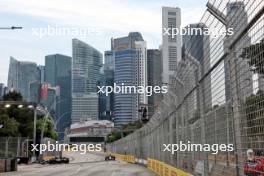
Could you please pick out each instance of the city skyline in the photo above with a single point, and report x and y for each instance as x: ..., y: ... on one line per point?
x: 31, y: 48
x: 150, y: 84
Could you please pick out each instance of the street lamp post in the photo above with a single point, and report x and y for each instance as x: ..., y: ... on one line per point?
x: 8, y: 104
x: 34, y: 131
x: 11, y: 28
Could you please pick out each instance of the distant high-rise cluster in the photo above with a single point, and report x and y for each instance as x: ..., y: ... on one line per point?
x: 68, y: 86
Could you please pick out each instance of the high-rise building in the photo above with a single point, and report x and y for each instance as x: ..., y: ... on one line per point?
x: 2, y: 89
x: 197, y: 46
x: 21, y: 74
x: 86, y: 65
x: 109, y: 60
x: 237, y: 19
x: 35, y: 87
x: 5, y: 90
x: 106, y: 104
x: 58, y: 74
x: 41, y: 69
x: 141, y: 71
x: 171, y: 44
x: 131, y: 70
x: 154, y: 64
x: 34, y: 90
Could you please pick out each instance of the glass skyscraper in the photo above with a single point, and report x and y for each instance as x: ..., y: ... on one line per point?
x: 196, y: 46
x: 86, y: 65
x: 2, y: 87
x: 41, y: 69
x: 154, y: 78
x: 21, y: 75
x: 130, y: 69
x: 58, y: 74
x: 106, y: 103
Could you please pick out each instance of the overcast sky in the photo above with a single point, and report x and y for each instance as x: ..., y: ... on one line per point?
x: 103, y: 19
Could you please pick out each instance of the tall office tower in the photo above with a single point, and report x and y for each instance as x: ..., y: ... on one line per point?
x: 141, y: 71
x: 86, y: 65
x: 58, y: 74
x: 130, y: 70
x: 2, y: 89
x: 109, y: 60
x: 35, y: 87
x: 237, y: 19
x: 41, y: 69
x: 21, y: 74
x: 102, y: 98
x: 198, y: 46
x: 171, y: 45
x: 34, y: 92
x: 106, y: 106
x: 154, y: 63
x: 5, y: 90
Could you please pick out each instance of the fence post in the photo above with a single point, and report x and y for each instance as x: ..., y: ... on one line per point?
x: 236, y: 110
x: 18, y: 146
x: 6, y: 147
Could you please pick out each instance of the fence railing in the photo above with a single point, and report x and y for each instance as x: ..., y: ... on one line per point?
x: 14, y: 147
x: 215, y: 97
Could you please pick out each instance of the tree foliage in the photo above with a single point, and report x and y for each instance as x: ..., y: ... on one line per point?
x: 20, y: 121
x: 123, y: 132
x: 9, y: 126
x: 114, y: 136
x: 49, y: 128
x: 132, y: 126
x: 13, y: 96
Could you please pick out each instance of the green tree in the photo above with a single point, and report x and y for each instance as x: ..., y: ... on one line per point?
x: 49, y: 128
x: 13, y: 96
x: 9, y: 126
x: 132, y: 126
x: 20, y: 120
x: 114, y: 136
x: 125, y: 129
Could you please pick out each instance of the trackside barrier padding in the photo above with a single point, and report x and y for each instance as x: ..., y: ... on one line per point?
x: 127, y: 158
x: 163, y: 169
x: 160, y: 168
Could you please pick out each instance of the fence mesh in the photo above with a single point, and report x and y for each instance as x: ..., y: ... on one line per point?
x: 215, y: 97
x: 14, y: 147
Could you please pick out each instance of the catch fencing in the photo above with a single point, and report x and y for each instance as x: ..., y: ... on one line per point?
x: 216, y: 96
x: 11, y: 147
